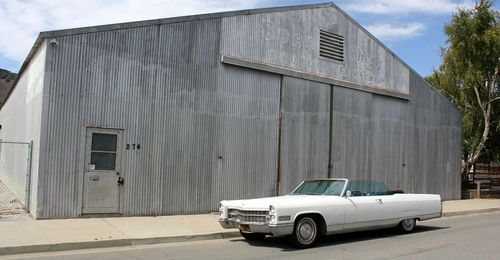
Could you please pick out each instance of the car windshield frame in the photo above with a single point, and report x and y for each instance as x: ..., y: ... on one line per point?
x: 322, y: 187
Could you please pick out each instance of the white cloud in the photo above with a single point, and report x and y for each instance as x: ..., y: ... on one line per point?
x: 22, y: 20
x: 393, y: 32
x: 406, y: 6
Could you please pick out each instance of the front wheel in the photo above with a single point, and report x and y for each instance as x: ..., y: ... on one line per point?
x: 252, y: 236
x: 407, y: 225
x: 305, y: 233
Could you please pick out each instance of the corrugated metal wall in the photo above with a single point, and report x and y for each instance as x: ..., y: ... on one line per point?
x: 305, y: 132
x: 101, y: 79
x: 290, y: 39
x: 204, y: 128
x: 351, y: 129
x: 388, y: 132
x: 220, y: 123
x: 210, y: 131
x: 434, y: 142
x: 373, y: 136
x: 411, y: 145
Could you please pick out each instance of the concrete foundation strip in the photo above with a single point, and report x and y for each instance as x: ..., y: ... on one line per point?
x: 112, y: 243
x: 156, y: 240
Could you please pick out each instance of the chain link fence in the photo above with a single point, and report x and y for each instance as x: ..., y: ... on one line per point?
x: 15, y: 177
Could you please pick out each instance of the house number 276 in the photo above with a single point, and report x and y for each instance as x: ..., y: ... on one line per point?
x: 133, y: 146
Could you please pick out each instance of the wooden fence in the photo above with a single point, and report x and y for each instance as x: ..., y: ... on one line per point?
x: 486, y: 173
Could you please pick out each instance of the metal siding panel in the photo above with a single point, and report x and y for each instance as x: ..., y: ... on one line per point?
x: 221, y: 137
x: 166, y: 87
x: 304, y: 132
x: 248, y: 135
x: 388, y: 134
x: 435, y: 144
x: 373, y: 136
x: 101, y: 79
x: 351, y: 139
x: 291, y: 39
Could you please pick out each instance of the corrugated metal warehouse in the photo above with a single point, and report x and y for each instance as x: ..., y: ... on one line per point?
x: 170, y: 116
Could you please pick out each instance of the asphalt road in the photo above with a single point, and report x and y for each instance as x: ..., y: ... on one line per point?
x: 465, y: 237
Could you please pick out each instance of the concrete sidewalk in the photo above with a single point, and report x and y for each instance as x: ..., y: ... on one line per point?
x: 68, y: 234
x: 465, y: 207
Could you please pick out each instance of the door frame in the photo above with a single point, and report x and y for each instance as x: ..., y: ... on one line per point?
x: 86, y: 130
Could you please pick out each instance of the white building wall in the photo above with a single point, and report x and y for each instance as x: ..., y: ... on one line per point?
x: 20, y: 118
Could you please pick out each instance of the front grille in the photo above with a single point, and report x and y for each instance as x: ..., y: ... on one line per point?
x: 248, y: 216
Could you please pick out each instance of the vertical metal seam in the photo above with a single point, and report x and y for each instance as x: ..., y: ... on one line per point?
x: 161, y: 178
x: 370, y: 141
x: 280, y: 114
x: 46, y: 106
x: 28, y: 177
x: 330, y: 135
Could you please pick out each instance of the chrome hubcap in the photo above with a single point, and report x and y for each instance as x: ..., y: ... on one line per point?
x: 408, y: 224
x: 306, y: 231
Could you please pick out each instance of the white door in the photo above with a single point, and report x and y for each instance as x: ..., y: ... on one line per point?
x: 102, y: 179
x: 364, y: 211
x: 365, y: 208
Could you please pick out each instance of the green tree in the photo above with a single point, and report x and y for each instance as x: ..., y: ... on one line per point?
x: 469, y: 76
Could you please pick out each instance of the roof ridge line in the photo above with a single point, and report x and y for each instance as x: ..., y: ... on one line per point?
x: 178, y: 19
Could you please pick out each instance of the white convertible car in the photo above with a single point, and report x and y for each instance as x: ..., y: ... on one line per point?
x: 328, y: 206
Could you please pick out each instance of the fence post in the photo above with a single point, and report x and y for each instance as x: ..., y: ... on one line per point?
x: 489, y: 170
x: 28, y: 177
x: 473, y: 172
x: 478, y: 189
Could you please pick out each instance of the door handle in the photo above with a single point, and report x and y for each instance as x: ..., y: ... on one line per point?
x: 378, y: 201
x: 121, y: 181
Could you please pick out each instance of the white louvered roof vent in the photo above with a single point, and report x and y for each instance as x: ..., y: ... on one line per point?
x: 331, y: 45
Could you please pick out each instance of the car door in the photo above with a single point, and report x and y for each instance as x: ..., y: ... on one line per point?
x: 393, y: 206
x: 364, y: 209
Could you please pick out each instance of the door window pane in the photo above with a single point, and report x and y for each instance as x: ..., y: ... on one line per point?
x: 103, y: 142
x: 103, y: 161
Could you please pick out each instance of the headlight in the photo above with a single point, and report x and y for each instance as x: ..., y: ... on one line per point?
x: 272, y: 215
x: 222, y: 215
x: 272, y: 219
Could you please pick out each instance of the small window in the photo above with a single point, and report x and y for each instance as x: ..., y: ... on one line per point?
x: 103, y: 151
x: 104, y: 142
x: 331, y: 45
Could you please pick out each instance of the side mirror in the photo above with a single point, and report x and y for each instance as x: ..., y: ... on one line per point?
x: 348, y: 193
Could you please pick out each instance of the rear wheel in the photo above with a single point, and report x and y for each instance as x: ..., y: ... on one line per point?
x: 305, y: 233
x: 407, y: 225
x: 252, y: 236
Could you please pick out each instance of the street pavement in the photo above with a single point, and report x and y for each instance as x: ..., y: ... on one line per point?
x: 473, y: 236
x: 32, y: 236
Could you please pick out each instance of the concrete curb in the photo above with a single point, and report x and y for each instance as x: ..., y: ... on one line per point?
x: 468, y: 212
x: 157, y: 240
x: 112, y: 243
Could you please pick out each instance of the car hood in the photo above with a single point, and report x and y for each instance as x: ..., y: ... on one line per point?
x: 281, y: 201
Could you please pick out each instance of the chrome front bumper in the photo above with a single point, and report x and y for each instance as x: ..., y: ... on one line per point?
x: 275, y: 230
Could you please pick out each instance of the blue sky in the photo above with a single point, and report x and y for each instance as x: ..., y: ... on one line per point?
x: 413, y: 29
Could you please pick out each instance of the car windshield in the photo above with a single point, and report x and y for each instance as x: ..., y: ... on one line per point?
x: 320, y: 187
